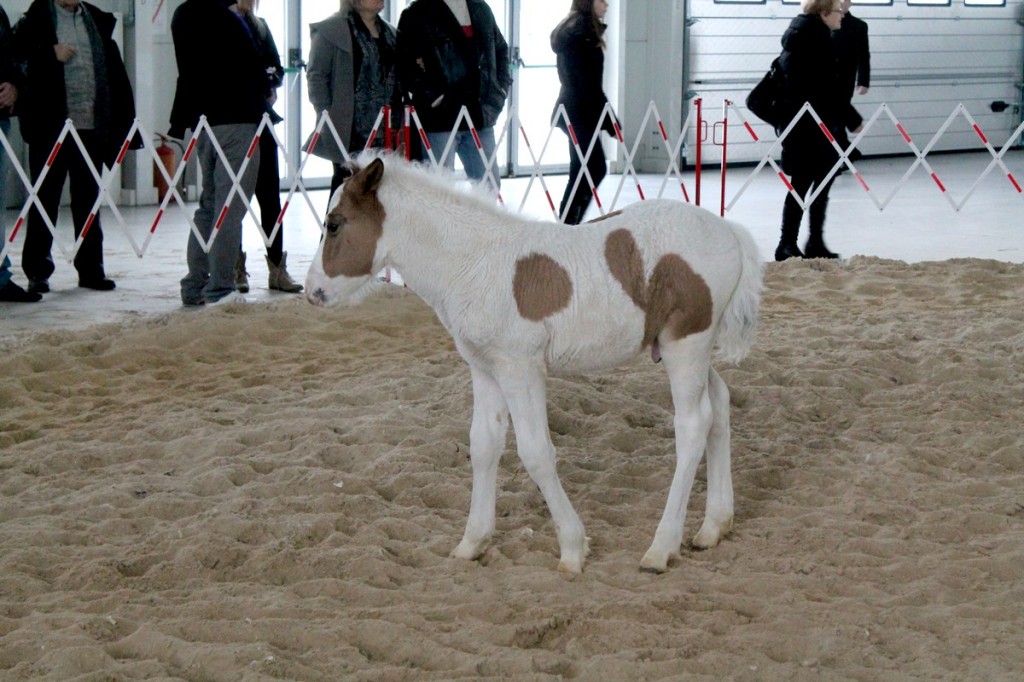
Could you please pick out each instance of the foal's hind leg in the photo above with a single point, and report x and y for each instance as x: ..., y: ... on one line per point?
x: 687, y: 362
x: 718, y: 514
x: 486, y: 443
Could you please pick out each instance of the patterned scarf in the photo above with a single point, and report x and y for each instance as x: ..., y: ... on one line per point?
x: 375, y: 79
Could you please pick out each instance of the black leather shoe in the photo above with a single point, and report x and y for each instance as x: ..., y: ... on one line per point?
x: 39, y: 286
x: 12, y: 293
x: 97, y: 284
x: 818, y: 251
x: 787, y: 251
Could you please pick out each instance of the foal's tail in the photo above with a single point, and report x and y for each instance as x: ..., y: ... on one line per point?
x: 739, y: 320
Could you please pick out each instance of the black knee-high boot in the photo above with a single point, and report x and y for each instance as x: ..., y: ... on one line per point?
x: 574, y: 206
x: 815, y: 247
x: 792, y: 214
x: 575, y: 214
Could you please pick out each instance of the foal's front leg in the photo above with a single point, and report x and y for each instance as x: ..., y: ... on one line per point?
x: 486, y: 443
x: 526, y: 395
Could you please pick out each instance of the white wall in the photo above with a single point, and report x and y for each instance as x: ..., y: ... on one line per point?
x: 650, y: 68
x: 924, y: 61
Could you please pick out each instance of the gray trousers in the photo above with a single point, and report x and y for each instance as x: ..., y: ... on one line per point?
x: 211, y: 276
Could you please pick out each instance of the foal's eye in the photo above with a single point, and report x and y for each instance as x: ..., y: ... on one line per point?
x: 333, y: 227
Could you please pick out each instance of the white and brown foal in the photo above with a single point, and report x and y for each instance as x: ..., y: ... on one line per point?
x: 523, y: 298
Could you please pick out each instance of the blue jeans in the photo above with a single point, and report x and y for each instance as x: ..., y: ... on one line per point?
x: 5, y: 164
x: 465, y: 147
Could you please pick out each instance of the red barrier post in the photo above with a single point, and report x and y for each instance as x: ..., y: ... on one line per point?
x: 700, y: 138
x: 725, y: 151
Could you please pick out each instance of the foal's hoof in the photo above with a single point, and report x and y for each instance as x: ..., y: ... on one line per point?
x: 572, y: 562
x: 468, y: 551
x: 570, y: 567
x: 710, y: 534
x: 654, y: 562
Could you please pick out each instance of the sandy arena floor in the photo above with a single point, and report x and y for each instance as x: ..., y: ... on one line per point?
x: 270, y: 491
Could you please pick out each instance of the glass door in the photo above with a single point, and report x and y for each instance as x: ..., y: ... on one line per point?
x: 535, y: 85
x: 318, y: 171
x: 289, y: 22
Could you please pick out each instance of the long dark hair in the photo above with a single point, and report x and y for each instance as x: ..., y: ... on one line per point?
x: 585, y: 9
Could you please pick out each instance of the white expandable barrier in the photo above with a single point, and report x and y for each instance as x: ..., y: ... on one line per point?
x: 920, y: 156
x: 627, y: 153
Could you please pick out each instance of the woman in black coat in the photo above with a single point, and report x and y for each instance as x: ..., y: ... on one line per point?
x: 579, y: 45
x: 810, y: 63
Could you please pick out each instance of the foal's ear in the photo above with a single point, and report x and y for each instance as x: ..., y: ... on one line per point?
x: 368, y: 179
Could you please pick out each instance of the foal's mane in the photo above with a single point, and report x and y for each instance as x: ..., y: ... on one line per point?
x: 438, y: 183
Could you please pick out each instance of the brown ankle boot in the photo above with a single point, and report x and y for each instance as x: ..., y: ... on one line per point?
x: 241, y: 276
x: 280, y: 280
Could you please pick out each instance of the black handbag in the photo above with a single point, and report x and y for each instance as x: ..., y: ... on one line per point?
x: 766, y: 99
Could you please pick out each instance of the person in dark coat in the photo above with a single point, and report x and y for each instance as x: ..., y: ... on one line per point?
x: 578, y: 44
x: 12, y: 83
x: 73, y: 70
x: 810, y: 64
x: 220, y: 76
x: 451, y: 54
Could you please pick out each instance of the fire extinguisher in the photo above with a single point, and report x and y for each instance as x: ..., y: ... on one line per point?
x: 166, y: 155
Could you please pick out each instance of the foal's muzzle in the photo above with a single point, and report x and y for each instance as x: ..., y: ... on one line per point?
x: 316, y: 296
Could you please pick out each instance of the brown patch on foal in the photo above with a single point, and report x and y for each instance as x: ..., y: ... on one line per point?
x: 675, y: 298
x: 678, y: 300
x: 627, y: 265
x: 354, y: 226
x: 540, y: 286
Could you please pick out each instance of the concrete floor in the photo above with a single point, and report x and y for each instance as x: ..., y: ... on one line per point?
x: 918, y: 223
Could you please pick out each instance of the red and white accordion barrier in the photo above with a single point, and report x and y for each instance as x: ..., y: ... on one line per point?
x: 672, y: 185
